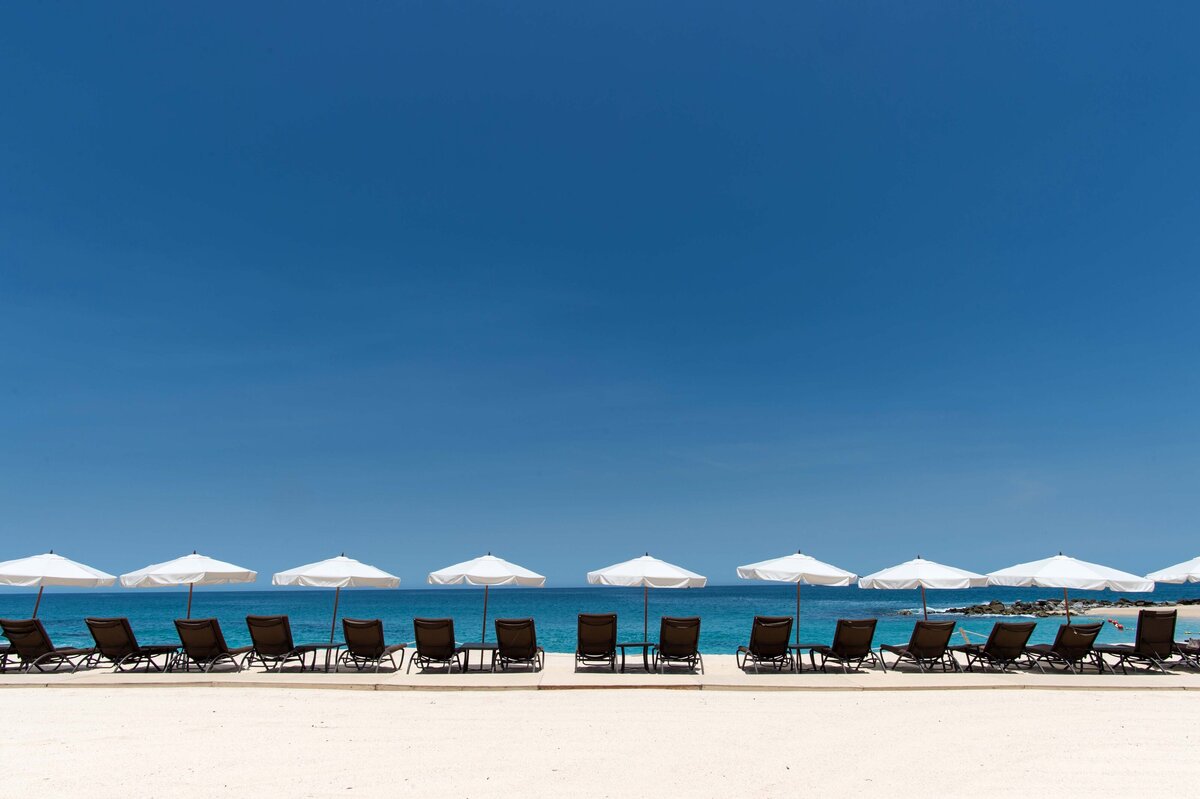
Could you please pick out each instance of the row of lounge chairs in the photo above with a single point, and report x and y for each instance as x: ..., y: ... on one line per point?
x: 202, y: 647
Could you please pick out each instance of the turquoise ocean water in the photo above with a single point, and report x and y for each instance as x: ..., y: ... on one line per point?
x: 727, y: 611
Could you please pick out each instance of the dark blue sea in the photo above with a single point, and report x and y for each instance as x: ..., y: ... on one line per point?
x: 727, y: 611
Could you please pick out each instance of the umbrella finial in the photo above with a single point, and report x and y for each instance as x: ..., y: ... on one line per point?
x: 193, y: 552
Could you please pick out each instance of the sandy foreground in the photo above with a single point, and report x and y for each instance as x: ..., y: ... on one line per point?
x: 1185, y: 611
x: 283, y: 742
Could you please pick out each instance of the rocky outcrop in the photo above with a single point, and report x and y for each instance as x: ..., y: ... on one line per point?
x: 1055, y: 607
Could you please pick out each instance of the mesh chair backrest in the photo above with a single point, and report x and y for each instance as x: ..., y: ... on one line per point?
x: 852, y: 638
x: 1074, y: 641
x: 28, y: 637
x: 1155, y: 633
x: 435, y: 638
x: 1008, y: 639
x: 364, y: 637
x: 679, y: 637
x: 201, y: 638
x: 516, y: 639
x: 770, y: 635
x: 271, y: 635
x: 113, y: 637
x: 930, y: 638
x: 597, y: 634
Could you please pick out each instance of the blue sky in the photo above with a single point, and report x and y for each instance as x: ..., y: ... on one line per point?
x: 418, y: 281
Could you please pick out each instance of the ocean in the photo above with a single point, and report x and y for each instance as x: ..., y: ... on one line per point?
x: 727, y: 611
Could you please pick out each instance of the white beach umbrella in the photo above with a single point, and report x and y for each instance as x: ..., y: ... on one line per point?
x: 649, y: 573
x: 797, y: 568
x: 336, y: 573
x: 1066, y: 572
x: 921, y: 573
x: 1186, y: 572
x: 487, y: 571
x: 50, y: 569
x: 190, y: 570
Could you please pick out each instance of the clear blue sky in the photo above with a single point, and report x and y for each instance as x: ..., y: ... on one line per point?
x: 572, y: 281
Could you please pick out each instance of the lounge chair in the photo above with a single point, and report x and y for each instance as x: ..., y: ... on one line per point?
x: 272, y: 644
x: 32, y: 645
x: 5, y: 651
x: 436, y: 645
x: 204, y: 646
x: 116, y: 643
x: 596, y: 644
x: 678, y: 643
x: 928, y: 647
x: 1073, y: 648
x: 516, y: 643
x: 1004, y: 649
x: 852, y: 639
x: 1153, y: 645
x: 769, y: 637
x: 365, y: 645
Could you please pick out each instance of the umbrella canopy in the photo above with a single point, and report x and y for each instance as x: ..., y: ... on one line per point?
x: 336, y: 573
x: 649, y: 573
x: 190, y: 570
x: 796, y: 568
x: 1062, y: 571
x: 921, y: 573
x: 487, y: 571
x: 1186, y: 572
x: 50, y: 569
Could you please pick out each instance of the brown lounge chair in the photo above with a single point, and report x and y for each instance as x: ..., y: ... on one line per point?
x: 1004, y: 649
x: 596, y: 642
x: 928, y: 647
x: 516, y: 643
x: 271, y: 644
x: 365, y: 645
x: 204, y: 646
x: 116, y: 643
x: 1153, y: 645
x: 1073, y: 648
x: 852, y: 639
x: 769, y: 637
x: 678, y: 642
x: 32, y: 645
x: 436, y: 645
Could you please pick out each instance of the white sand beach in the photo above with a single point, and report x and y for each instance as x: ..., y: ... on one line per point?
x: 1184, y: 611
x: 202, y: 742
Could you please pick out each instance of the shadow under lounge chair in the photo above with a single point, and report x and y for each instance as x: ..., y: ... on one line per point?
x: 1073, y: 647
x: 516, y: 643
x: 204, y: 646
x: 678, y: 643
x: 435, y: 645
x: 1004, y: 649
x: 116, y: 643
x: 851, y: 646
x: 271, y: 643
x: 1153, y: 645
x: 596, y: 641
x: 365, y: 645
x: 30, y: 642
x: 928, y: 647
x: 769, y: 637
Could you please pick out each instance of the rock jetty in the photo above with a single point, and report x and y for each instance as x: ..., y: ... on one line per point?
x: 1055, y: 607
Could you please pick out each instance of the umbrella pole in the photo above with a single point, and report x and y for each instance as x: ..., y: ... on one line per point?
x: 37, y: 602
x: 645, y: 611
x: 797, y: 613
x: 1067, y: 605
x: 485, y: 599
x: 924, y: 607
x: 189, y: 609
x: 333, y: 626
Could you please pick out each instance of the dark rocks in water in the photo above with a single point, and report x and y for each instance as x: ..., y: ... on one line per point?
x: 1054, y: 607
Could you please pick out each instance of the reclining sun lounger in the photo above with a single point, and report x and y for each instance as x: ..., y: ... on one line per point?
x: 596, y: 641
x: 851, y: 645
x: 1004, y: 649
x: 204, y: 646
x: 928, y: 647
x: 272, y: 644
x: 436, y: 645
x: 678, y: 643
x: 769, y: 641
x: 116, y: 643
x: 516, y: 643
x: 1072, y: 649
x: 1153, y: 645
x: 365, y: 645
x: 30, y: 643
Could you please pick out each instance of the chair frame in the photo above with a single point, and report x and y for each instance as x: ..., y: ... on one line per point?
x: 75, y: 657
x: 1049, y: 655
x: 276, y: 662
x: 907, y: 653
x: 660, y: 660
x: 424, y: 662
x: 138, y: 656
x: 360, y: 661
x: 591, y: 659
x: 981, y: 654
x: 747, y: 654
x: 830, y: 653
x: 1127, y: 653
x: 536, y: 663
x: 183, y: 660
